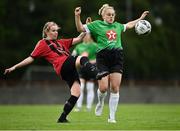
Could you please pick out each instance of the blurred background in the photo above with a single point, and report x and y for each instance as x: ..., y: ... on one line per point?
x: 152, y: 65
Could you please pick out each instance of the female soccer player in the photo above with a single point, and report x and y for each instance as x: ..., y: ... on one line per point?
x: 109, y: 56
x: 56, y: 52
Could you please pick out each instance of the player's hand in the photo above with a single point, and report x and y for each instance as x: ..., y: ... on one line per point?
x: 77, y: 11
x: 144, y: 14
x: 88, y: 20
x: 9, y: 70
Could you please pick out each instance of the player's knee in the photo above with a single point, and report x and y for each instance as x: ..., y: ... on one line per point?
x: 103, y: 88
x: 78, y: 61
x: 76, y: 90
x: 115, y: 89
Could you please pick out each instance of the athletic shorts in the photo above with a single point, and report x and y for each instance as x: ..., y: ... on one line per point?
x: 110, y: 60
x: 86, y: 74
x: 69, y: 72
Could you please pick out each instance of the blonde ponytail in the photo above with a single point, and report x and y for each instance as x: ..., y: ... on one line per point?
x: 103, y: 8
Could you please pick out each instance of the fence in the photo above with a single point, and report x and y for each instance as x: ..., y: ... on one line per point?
x: 40, y: 85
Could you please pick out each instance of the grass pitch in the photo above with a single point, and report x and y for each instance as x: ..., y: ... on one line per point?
x: 129, y: 117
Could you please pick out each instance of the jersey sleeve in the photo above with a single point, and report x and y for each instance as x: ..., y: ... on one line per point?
x: 122, y: 27
x: 38, y: 50
x: 92, y: 27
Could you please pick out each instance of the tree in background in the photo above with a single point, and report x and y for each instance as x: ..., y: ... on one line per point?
x: 155, y: 56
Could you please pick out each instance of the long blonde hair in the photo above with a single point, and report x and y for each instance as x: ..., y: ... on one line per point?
x: 104, y: 8
x: 47, y: 27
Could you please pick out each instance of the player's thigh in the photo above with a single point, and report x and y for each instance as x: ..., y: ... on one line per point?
x: 115, y: 81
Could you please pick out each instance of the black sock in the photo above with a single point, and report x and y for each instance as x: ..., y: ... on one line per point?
x: 68, y: 107
x: 84, y: 61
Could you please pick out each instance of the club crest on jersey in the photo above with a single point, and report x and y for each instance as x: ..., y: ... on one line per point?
x: 111, y: 35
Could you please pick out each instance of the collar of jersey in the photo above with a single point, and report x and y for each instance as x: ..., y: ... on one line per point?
x: 107, y: 23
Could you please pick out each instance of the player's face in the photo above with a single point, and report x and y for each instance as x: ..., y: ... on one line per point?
x: 52, y: 34
x: 109, y: 16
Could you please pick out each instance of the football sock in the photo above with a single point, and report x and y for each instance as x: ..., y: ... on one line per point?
x: 113, y: 104
x: 84, y: 61
x: 80, y: 99
x: 90, y: 94
x: 101, y: 96
x: 68, y: 107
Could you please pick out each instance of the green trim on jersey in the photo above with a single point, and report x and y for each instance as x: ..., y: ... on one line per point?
x: 106, y: 35
x: 90, y: 48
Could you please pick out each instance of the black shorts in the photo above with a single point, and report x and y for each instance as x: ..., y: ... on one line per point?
x: 110, y: 60
x: 87, y: 74
x: 69, y: 72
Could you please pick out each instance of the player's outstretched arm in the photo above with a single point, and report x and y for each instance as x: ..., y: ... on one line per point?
x: 25, y: 62
x: 78, y: 22
x: 79, y: 38
x: 131, y: 24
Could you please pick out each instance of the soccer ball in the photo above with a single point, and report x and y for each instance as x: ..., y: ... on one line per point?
x: 142, y: 27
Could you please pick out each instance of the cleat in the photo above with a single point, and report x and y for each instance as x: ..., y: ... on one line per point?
x: 111, y: 121
x: 101, y: 74
x: 62, y: 121
x: 99, y: 108
x: 93, y: 68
